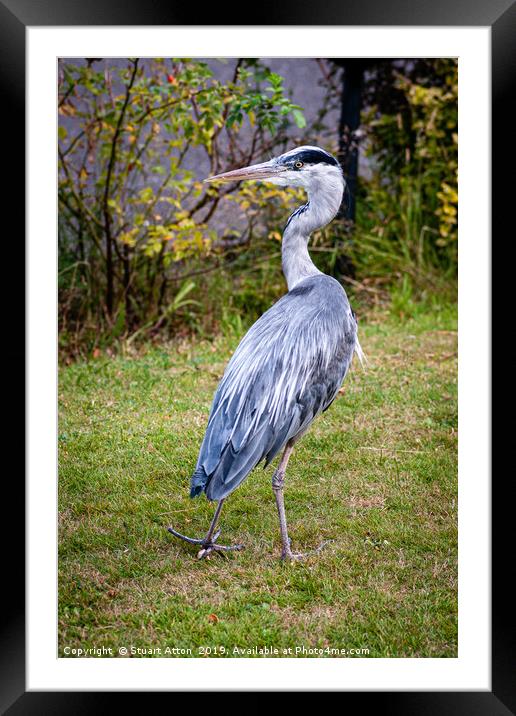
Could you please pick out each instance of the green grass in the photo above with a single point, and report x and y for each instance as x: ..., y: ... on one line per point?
x: 377, y: 474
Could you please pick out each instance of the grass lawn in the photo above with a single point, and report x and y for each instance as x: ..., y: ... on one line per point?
x: 377, y: 474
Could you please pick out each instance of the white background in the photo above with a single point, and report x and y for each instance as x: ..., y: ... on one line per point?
x: 471, y: 670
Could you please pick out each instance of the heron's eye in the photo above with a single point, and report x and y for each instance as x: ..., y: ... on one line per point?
x: 298, y: 165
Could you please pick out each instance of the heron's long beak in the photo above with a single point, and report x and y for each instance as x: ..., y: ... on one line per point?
x: 267, y: 170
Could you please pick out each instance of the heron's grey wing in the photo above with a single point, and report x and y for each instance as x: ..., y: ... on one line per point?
x: 285, y: 371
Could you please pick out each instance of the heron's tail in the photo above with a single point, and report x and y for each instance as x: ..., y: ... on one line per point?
x: 198, y: 482
x: 360, y: 353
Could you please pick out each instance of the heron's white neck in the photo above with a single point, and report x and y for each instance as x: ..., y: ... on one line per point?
x: 325, y: 197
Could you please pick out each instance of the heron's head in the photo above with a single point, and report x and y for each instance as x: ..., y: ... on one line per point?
x: 308, y: 167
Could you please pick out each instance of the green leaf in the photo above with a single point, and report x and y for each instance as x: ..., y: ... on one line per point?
x: 299, y: 118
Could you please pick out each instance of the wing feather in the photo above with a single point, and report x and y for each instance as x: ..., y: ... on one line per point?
x: 286, y: 370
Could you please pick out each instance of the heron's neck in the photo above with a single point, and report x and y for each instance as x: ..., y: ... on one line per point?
x: 324, y: 203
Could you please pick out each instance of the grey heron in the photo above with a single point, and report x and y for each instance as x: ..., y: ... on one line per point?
x: 289, y: 366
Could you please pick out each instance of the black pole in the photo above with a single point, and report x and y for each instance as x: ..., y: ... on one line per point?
x: 351, y: 103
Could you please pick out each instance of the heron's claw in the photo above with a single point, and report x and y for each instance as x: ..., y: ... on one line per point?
x: 207, y: 545
x: 210, y: 547
x: 287, y: 553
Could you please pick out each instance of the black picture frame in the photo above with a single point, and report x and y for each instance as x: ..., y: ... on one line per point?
x: 15, y: 16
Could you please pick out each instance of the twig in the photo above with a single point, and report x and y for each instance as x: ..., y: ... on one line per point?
x: 386, y: 449
x: 354, y: 282
x: 448, y: 356
x: 172, y: 102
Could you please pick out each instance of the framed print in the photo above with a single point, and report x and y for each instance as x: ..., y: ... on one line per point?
x: 159, y: 275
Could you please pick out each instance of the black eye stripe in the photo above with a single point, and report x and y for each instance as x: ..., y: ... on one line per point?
x: 312, y: 156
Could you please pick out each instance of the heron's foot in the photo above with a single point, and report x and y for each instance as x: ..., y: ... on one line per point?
x: 288, y: 555
x: 208, y: 545
x: 191, y: 540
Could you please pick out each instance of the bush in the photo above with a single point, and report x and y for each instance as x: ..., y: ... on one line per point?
x: 136, y: 222
x: 147, y: 251
x: 407, y: 213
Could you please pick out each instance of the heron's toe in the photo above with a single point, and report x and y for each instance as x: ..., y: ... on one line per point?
x: 210, y: 547
x: 204, y: 552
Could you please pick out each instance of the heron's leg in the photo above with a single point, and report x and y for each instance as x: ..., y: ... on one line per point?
x: 208, y: 544
x: 209, y: 536
x: 278, y: 480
